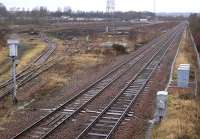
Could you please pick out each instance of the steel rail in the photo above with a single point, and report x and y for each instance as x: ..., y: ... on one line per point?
x: 30, y: 67
x: 84, y: 104
x: 65, y: 103
x: 74, y: 97
x: 29, y: 73
x: 121, y: 93
x: 28, y: 77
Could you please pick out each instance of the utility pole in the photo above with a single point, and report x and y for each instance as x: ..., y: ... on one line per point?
x: 110, y: 8
x: 14, y: 96
x: 13, y: 46
x: 154, y: 10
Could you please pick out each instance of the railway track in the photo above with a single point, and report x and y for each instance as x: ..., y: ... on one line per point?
x: 24, y: 78
x: 39, y: 65
x: 45, y: 126
x: 104, y: 124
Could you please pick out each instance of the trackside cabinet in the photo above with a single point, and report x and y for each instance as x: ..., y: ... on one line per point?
x: 183, y: 75
x: 161, y: 104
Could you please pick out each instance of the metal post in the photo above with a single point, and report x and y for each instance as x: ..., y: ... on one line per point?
x: 154, y: 10
x: 13, y: 45
x: 14, y: 95
x: 110, y: 8
x: 196, y: 84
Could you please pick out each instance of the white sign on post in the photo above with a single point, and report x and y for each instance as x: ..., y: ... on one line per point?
x: 13, y: 45
x: 13, y: 50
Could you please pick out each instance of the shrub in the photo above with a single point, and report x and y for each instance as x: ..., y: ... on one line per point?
x: 187, y: 96
x: 120, y: 49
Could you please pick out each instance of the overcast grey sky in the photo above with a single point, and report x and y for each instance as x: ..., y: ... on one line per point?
x: 100, y: 5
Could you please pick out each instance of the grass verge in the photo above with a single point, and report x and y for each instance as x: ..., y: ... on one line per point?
x: 183, y: 115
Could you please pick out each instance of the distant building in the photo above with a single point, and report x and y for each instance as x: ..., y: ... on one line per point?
x: 144, y: 20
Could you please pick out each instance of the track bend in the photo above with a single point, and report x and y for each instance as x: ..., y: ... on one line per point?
x: 45, y: 126
x: 39, y: 65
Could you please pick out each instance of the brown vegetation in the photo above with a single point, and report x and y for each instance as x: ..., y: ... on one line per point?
x: 186, y: 55
x: 183, y: 115
x: 3, y: 37
x: 30, y: 47
x: 194, y: 20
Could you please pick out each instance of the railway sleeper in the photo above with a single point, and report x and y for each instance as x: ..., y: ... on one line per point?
x: 121, y: 105
x: 124, y: 97
x: 87, y: 98
x: 89, y: 95
x: 99, y: 130
x: 95, y: 90
x: 115, y: 111
x: 90, y: 92
x: 130, y: 90
x: 95, y: 135
x: 54, y: 120
x: 135, y: 88
x: 129, y: 94
x: 38, y: 133
x: 70, y: 111
x: 124, y: 101
x: 107, y: 121
x: 119, y: 108
x: 110, y: 118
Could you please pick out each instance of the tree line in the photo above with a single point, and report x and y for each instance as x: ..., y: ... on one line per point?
x: 194, y: 21
x: 42, y: 14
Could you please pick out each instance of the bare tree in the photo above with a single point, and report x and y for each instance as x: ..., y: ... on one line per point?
x: 3, y: 10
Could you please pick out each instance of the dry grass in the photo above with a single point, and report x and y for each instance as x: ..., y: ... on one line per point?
x: 30, y: 54
x: 4, y: 63
x: 67, y: 71
x: 32, y: 47
x: 6, y: 112
x: 86, y: 60
x: 186, y: 55
x: 179, y: 122
x: 29, y: 49
x: 183, y: 115
x: 3, y: 54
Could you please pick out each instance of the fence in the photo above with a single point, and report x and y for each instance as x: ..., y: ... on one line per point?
x: 197, y: 73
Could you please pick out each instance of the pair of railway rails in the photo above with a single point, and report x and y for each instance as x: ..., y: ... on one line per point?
x: 104, y: 124
x: 38, y: 66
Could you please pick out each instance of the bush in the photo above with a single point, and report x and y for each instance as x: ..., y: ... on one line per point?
x: 187, y: 96
x: 184, y: 137
x: 3, y: 33
x: 120, y: 49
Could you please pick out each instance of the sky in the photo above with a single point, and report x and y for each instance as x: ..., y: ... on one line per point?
x: 100, y: 5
